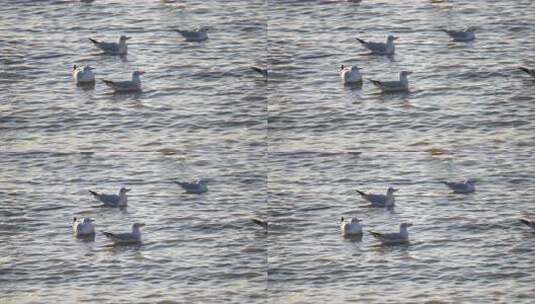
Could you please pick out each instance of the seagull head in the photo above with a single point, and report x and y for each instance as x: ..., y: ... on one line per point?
x: 137, y: 73
x: 405, y: 73
x: 124, y: 190
x: 124, y: 38
x: 392, y: 38
x: 74, y: 219
x: 88, y: 220
x: 405, y: 225
x: 74, y: 67
x: 138, y: 225
x: 391, y: 190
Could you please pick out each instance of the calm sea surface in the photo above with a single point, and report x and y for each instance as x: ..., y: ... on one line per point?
x: 292, y: 151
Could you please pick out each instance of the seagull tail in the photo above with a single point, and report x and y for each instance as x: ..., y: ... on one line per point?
x: 107, y: 82
x: 376, y: 82
x: 526, y: 222
x: 260, y: 223
x: 93, y: 192
x: 93, y: 40
x: 361, y: 193
x: 375, y: 234
x: 258, y: 70
x: 524, y: 69
x: 360, y: 40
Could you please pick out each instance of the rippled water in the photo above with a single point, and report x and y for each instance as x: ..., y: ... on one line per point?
x: 292, y: 150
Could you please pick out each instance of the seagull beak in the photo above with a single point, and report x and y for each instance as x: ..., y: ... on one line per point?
x: 128, y: 38
x: 91, y: 68
x: 395, y: 190
x: 127, y: 190
x: 396, y: 38
x: 141, y: 72
x: 409, y: 72
x: 92, y: 220
x: 141, y: 225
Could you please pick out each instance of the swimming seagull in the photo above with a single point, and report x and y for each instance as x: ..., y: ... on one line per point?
x: 112, y: 200
x: 462, y: 36
x: 464, y: 187
x: 261, y: 71
x: 350, y: 74
x: 83, y: 74
x: 530, y: 72
x: 351, y: 226
x: 380, y: 48
x: 261, y: 223
x: 196, y: 187
x: 112, y: 48
x: 126, y: 238
x: 83, y: 227
x: 394, y: 238
x: 197, y: 35
x: 402, y: 85
x: 529, y: 223
x: 380, y: 200
x: 133, y: 85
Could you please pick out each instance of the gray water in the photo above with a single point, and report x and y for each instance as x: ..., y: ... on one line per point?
x: 292, y: 150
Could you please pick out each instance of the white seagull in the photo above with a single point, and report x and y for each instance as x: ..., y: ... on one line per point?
x: 462, y: 36
x: 464, y: 187
x: 380, y: 200
x: 380, y: 48
x: 530, y: 224
x: 197, y: 35
x: 112, y: 200
x: 530, y: 72
x: 83, y: 227
x: 402, y: 85
x: 350, y: 74
x: 394, y: 238
x: 351, y: 226
x: 196, y: 187
x: 126, y: 238
x: 112, y: 48
x: 83, y: 74
x: 133, y: 85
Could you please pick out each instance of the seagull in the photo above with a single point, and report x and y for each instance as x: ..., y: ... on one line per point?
x: 83, y: 227
x: 351, y: 226
x: 261, y: 223
x: 126, y: 238
x: 196, y: 187
x: 394, y: 86
x: 380, y: 200
x: 261, y: 71
x: 350, y: 74
x: 394, y: 238
x: 197, y: 35
x: 462, y: 36
x: 83, y: 74
x: 112, y: 200
x: 379, y: 48
x: 531, y: 72
x: 529, y: 223
x: 464, y: 187
x: 112, y: 48
x: 133, y: 85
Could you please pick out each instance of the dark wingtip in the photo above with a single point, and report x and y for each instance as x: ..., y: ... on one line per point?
x: 528, y: 223
x: 360, y: 192
x: 360, y: 40
x: 524, y: 69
